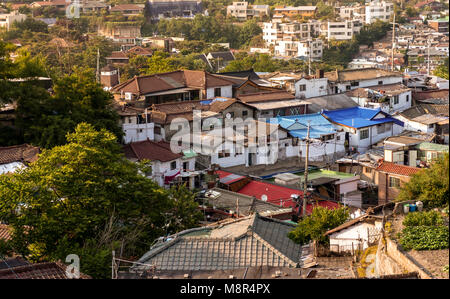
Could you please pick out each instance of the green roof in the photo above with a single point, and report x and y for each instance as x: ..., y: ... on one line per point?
x: 427, y: 146
x: 189, y: 154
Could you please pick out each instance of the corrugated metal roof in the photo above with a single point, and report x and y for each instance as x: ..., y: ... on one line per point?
x: 297, y: 125
x: 359, y: 117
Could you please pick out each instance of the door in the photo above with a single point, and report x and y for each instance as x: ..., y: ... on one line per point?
x: 412, y: 158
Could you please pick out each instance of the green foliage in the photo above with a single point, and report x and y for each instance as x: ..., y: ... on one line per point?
x: 431, y: 218
x: 430, y: 185
x: 315, y: 225
x: 424, y: 237
x: 86, y: 190
x: 442, y: 70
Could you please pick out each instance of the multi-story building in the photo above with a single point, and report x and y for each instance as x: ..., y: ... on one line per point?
x: 243, y: 11
x: 340, y: 30
x: 377, y: 9
x: 7, y: 20
x: 306, y: 49
x: 351, y: 12
x: 294, y: 12
x: 158, y: 9
x: 276, y: 31
x: 440, y: 25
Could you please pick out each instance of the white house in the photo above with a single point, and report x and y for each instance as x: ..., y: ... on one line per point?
x: 340, y: 30
x: 167, y: 167
x: 311, y: 87
x: 7, y: 20
x: 364, y: 127
x: 299, y: 48
x: 389, y: 98
x: 356, y: 234
x: 346, y: 80
x: 377, y: 9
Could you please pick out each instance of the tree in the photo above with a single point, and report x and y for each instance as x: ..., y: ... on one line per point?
x: 315, y: 225
x: 442, y: 70
x: 429, y: 185
x: 85, y: 198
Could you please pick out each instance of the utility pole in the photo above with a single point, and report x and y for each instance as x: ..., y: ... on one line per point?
x: 98, y: 66
x: 305, y: 189
x: 393, y: 44
x: 428, y: 55
x: 309, y: 56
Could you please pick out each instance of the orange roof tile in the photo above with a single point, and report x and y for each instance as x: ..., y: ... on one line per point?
x: 389, y: 167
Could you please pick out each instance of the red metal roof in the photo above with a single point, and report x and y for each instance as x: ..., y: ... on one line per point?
x: 393, y: 168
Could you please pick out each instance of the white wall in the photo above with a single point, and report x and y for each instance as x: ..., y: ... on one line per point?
x: 138, y: 132
x: 371, y: 82
x: 414, y: 126
x: 353, y: 234
x: 314, y: 88
x: 225, y: 91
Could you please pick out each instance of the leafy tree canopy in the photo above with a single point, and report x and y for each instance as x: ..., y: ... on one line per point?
x: 315, y: 225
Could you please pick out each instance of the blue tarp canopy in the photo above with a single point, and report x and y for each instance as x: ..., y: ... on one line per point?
x: 359, y: 117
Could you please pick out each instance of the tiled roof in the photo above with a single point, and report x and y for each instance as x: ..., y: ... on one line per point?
x: 37, y: 271
x: 138, y: 50
x: 358, y: 117
x: 224, y: 56
x: 245, y: 242
x: 228, y: 200
x: 265, y: 96
x: 359, y: 74
x: 423, y: 109
x: 5, y: 232
x: 392, y: 168
x: 170, y: 81
x: 18, y: 153
x: 150, y: 150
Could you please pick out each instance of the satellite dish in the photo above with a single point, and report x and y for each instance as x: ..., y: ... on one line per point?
x: 264, y: 197
x: 228, y: 115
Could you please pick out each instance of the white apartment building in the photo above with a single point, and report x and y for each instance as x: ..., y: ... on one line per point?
x: 304, y: 48
x: 275, y: 31
x: 340, y: 30
x: 243, y: 11
x: 352, y: 12
x: 378, y: 10
x: 7, y: 20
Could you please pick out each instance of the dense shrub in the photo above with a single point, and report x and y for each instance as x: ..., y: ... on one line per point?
x: 424, y: 237
x: 431, y: 218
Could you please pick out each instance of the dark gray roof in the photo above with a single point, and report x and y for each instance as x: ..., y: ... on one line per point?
x: 330, y: 102
x: 227, y: 200
x: 244, y: 242
x: 224, y: 56
x: 250, y: 74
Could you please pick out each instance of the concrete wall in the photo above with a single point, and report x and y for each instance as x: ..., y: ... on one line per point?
x: 392, y: 260
x: 314, y: 88
x: 225, y: 91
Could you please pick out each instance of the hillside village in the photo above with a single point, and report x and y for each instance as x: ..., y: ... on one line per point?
x: 191, y: 139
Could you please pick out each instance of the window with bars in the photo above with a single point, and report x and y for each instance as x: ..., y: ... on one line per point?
x: 363, y: 134
x: 394, y: 182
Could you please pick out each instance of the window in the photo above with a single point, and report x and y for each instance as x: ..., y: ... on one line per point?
x: 407, y: 97
x: 354, y: 84
x: 364, y: 134
x: 394, y: 182
x: 302, y: 87
x: 380, y: 82
x: 348, y: 87
x: 367, y: 170
x: 431, y: 126
x: 217, y: 92
x: 396, y: 100
x: 224, y: 154
x: 158, y: 130
x: 244, y: 112
x: 173, y: 165
x: 185, y: 166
